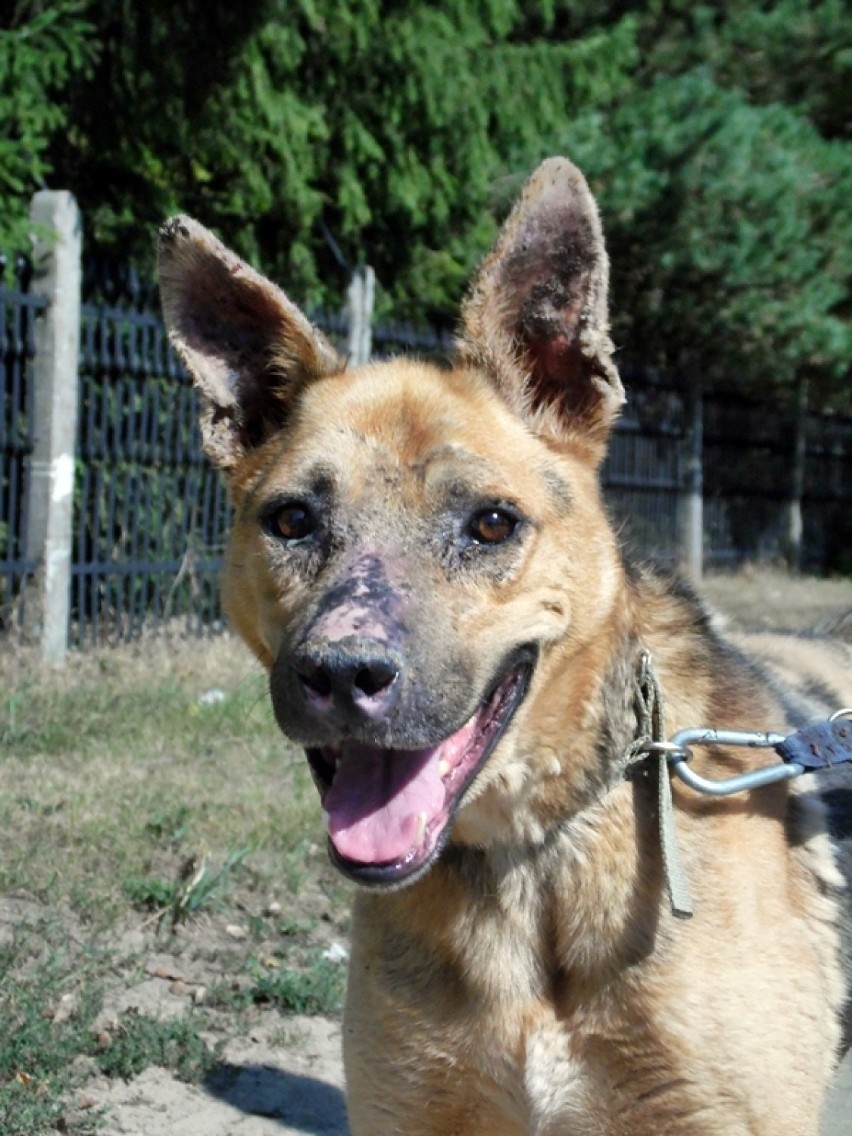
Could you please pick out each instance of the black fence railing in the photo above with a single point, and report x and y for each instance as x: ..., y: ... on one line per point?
x: 395, y: 338
x: 18, y: 308
x: 748, y: 484
x: 149, y: 511
x: 642, y: 475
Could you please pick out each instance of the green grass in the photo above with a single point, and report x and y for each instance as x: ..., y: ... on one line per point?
x: 129, y: 805
x: 113, y: 773
x: 318, y: 989
x: 50, y: 999
x: 139, y: 1041
x: 38, y: 1047
x: 298, y: 986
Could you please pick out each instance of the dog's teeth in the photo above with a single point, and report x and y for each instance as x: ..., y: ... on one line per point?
x: 422, y: 818
x: 443, y: 767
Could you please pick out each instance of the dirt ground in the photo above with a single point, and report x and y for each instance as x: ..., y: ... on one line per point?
x: 282, y: 1075
x: 264, y: 1089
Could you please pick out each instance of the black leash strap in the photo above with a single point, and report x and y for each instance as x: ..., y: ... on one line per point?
x: 820, y: 745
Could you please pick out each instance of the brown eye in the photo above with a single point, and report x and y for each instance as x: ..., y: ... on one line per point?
x: 491, y: 526
x: 292, y: 522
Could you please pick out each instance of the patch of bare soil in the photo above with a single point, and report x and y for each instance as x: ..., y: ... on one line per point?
x: 264, y: 1086
x: 277, y: 1073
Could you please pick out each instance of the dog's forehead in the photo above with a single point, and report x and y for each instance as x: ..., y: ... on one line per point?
x: 411, y: 416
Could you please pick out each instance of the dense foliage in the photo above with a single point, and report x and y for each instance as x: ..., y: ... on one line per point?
x: 316, y: 134
x: 45, y: 50
x: 729, y: 228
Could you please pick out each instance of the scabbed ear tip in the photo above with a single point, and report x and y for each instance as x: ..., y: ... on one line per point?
x: 174, y: 228
x: 536, y: 315
x: 558, y: 164
x: 558, y: 172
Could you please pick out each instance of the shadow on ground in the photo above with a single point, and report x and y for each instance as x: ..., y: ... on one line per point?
x: 301, y: 1103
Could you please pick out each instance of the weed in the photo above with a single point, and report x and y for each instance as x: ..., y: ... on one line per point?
x: 151, y: 893
x: 315, y: 988
x: 9, y: 732
x: 293, y: 925
x: 169, y: 826
x: 138, y: 1041
x: 198, y: 886
x: 319, y: 989
x: 257, y: 927
x: 206, y: 886
x: 289, y: 1036
x: 47, y: 1012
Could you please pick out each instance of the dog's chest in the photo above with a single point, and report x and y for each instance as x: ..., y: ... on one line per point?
x: 525, y: 1035
x: 477, y: 989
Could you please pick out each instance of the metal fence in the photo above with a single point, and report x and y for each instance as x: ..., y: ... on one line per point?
x: 748, y: 470
x: 642, y: 475
x: 149, y: 511
x: 150, y: 514
x: 18, y: 308
x: 391, y: 338
x: 747, y: 465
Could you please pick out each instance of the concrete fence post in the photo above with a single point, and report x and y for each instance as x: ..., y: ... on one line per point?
x: 57, y: 272
x: 692, y: 497
x: 795, y: 520
x: 359, y: 304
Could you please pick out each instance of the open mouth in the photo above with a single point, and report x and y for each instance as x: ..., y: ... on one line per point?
x: 389, y: 810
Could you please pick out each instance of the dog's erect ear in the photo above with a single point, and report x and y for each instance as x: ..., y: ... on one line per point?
x: 536, y: 316
x: 247, y: 347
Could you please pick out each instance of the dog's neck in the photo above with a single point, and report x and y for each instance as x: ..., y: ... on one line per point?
x: 543, y: 815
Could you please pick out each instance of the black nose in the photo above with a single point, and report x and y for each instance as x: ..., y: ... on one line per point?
x: 340, y: 677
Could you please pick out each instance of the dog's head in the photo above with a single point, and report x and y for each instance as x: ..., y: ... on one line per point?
x: 417, y: 552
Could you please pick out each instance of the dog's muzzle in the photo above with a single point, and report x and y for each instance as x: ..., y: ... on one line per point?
x: 389, y: 810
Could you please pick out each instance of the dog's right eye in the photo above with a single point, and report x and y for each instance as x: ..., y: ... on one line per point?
x: 293, y: 521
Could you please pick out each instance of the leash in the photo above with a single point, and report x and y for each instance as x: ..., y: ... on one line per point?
x: 817, y: 746
x: 651, y: 742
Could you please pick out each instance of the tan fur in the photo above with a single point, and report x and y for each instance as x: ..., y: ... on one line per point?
x: 534, y: 980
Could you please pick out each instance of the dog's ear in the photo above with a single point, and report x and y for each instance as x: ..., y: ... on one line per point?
x: 536, y: 316
x: 247, y: 347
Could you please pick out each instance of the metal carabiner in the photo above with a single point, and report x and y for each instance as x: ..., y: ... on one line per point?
x: 679, y: 754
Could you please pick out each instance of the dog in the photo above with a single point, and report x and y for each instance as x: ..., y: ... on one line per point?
x: 422, y: 560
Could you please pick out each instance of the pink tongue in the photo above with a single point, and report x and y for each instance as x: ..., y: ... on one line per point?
x: 380, y: 800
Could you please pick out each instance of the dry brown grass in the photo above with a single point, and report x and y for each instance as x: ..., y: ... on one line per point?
x: 115, y: 769
x: 765, y: 598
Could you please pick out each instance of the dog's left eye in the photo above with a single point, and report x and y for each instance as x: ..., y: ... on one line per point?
x: 293, y: 521
x: 491, y: 526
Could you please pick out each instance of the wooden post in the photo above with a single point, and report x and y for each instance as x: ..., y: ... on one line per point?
x: 57, y: 272
x: 359, y: 304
